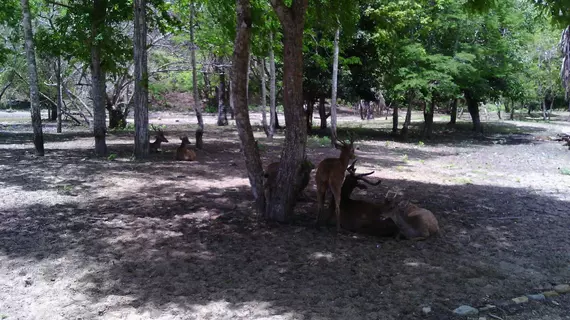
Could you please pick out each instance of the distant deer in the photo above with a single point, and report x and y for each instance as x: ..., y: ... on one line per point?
x: 415, y: 223
x: 359, y: 215
x: 183, y: 153
x: 273, y: 169
x: 330, y: 176
x: 160, y: 138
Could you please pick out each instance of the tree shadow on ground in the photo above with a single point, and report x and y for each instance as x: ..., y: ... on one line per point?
x: 201, y: 253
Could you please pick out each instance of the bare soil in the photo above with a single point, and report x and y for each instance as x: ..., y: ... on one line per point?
x: 89, y: 238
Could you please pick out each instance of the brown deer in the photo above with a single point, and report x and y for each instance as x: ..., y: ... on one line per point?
x: 415, y: 223
x: 183, y: 153
x: 272, y: 170
x: 160, y: 138
x: 330, y: 176
x: 362, y: 216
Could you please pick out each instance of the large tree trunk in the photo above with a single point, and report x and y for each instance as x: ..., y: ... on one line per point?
x: 323, y: 112
x: 141, y: 81
x: 239, y: 76
x: 263, y: 98
x: 288, y: 180
x: 59, y: 93
x: 395, y: 118
x: 473, y: 108
x: 197, y: 104
x: 98, y: 77
x: 222, y: 101
x: 334, y: 87
x: 453, y: 120
x: 33, y: 75
x: 273, y: 122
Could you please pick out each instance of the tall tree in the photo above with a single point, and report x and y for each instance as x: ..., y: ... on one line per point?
x: 141, y: 80
x: 334, y: 87
x: 239, y: 75
x: 292, y: 19
x: 98, y: 93
x: 33, y: 78
x: 197, y: 103
x: 272, y: 90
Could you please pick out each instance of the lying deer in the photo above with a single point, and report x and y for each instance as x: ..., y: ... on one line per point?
x: 272, y: 169
x: 359, y: 215
x: 160, y: 138
x: 183, y: 153
x: 330, y: 176
x: 415, y: 223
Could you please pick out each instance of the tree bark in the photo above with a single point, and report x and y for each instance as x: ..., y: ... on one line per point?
x: 512, y: 110
x: 98, y: 77
x: 273, y: 122
x: 323, y: 112
x: 473, y: 108
x: 334, y: 87
x: 453, y: 120
x: 59, y: 93
x: 263, y: 98
x: 289, y: 178
x: 395, y: 118
x: 33, y: 75
x: 405, y: 129
x: 141, y: 81
x: 197, y: 103
x: 222, y: 103
x: 428, y: 118
x: 239, y: 75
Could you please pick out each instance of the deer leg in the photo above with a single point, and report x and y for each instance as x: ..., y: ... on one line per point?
x: 320, y: 203
x: 336, y: 195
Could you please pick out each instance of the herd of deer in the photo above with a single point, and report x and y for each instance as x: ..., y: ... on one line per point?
x: 391, y: 218
x: 183, y: 152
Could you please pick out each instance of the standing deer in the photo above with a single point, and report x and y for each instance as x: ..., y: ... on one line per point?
x: 273, y: 168
x: 415, y: 223
x: 183, y: 153
x: 359, y: 215
x: 330, y: 176
x: 160, y: 138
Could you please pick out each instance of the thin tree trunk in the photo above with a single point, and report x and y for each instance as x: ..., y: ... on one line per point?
x: 323, y: 112
x: 453, y: 120
x: 263, y: 98
x: 289, y: 178
x: 239, y: 76
x: 33, y: 75
x: 428, y: 118
x: 334, y: 87
x: 543, y: 105
x: 231, y: 98
x: 222, y: 103
x: 98, y: 77
x: 512, y: 110
x: 197, y: 104
x: 141, y: 81
x: 273, y: 124
x: 4, y: 90
x: 405, y: 129
x: 395, y: 119
x: 59, y: 93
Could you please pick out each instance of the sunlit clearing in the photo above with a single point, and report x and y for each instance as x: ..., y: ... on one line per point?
x: 244, y: 310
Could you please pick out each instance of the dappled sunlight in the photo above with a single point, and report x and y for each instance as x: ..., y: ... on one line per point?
x: 327, y: 256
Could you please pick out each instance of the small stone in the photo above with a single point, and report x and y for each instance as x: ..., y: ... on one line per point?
x: 487, y: 307
x: 562, y: 288
x: 550, y: 294
x: 519, y: 300
x: 426, y: 310
x: 536, y: 297
x: 465, y: 311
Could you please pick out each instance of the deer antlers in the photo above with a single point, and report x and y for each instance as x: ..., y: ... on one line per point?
x: 352, y: 171
x: 155, y: 129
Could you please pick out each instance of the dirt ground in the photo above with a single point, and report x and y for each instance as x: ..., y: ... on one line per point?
x: 88, y: 238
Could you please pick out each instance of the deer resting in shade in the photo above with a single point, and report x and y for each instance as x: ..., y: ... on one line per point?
x: 160, y: 138
x: 183, y: 153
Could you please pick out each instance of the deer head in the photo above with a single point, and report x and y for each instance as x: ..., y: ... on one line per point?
x: 185, y: 140
x: 346, y: 148
x: 159, y: 134
x: 353, y: 180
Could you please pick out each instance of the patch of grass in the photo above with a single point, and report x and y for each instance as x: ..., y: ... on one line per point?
x: 565, y: 171
x: 112, y: 157
x: 421, y: 144
x: 405, y: 158
x: 463, y: 180
x: 319, y: 141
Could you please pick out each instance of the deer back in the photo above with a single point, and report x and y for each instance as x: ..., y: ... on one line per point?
x: 414, y: 222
